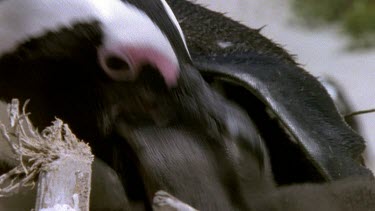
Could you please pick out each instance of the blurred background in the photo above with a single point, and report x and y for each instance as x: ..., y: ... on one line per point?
x: 330, y: 38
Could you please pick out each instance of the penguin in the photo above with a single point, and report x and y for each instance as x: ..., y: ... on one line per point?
x: 141, y: 90
x: 120, y: 75
x: 349, y: 194
x: 305, y: 135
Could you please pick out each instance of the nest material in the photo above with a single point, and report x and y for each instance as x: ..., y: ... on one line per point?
x: 34, y: 151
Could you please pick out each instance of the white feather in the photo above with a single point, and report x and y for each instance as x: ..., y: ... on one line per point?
x: 174, y: 20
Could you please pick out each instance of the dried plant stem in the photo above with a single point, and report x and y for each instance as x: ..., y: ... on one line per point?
x: 66, y: 182
x: 62, y: 162
x: 164, y: 201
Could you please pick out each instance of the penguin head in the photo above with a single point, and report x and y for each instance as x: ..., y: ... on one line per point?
x: 127, y: 37
x: 74, y: 58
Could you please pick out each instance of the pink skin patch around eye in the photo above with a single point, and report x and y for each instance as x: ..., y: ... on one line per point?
x: 138, y: 56
x: 168, y: 69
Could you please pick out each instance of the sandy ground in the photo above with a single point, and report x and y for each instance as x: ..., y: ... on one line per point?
x: 322, y: 52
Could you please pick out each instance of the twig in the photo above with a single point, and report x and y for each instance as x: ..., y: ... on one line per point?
x: 359, y: 113
x: 164, y: 201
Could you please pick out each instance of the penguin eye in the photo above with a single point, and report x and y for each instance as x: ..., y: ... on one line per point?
x: 117, y: 66
x: 114, y: 63
x: 124, y: 62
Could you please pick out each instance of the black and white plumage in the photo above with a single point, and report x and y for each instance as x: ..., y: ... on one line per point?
x: 290, y: 107
x: 119, y: 73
